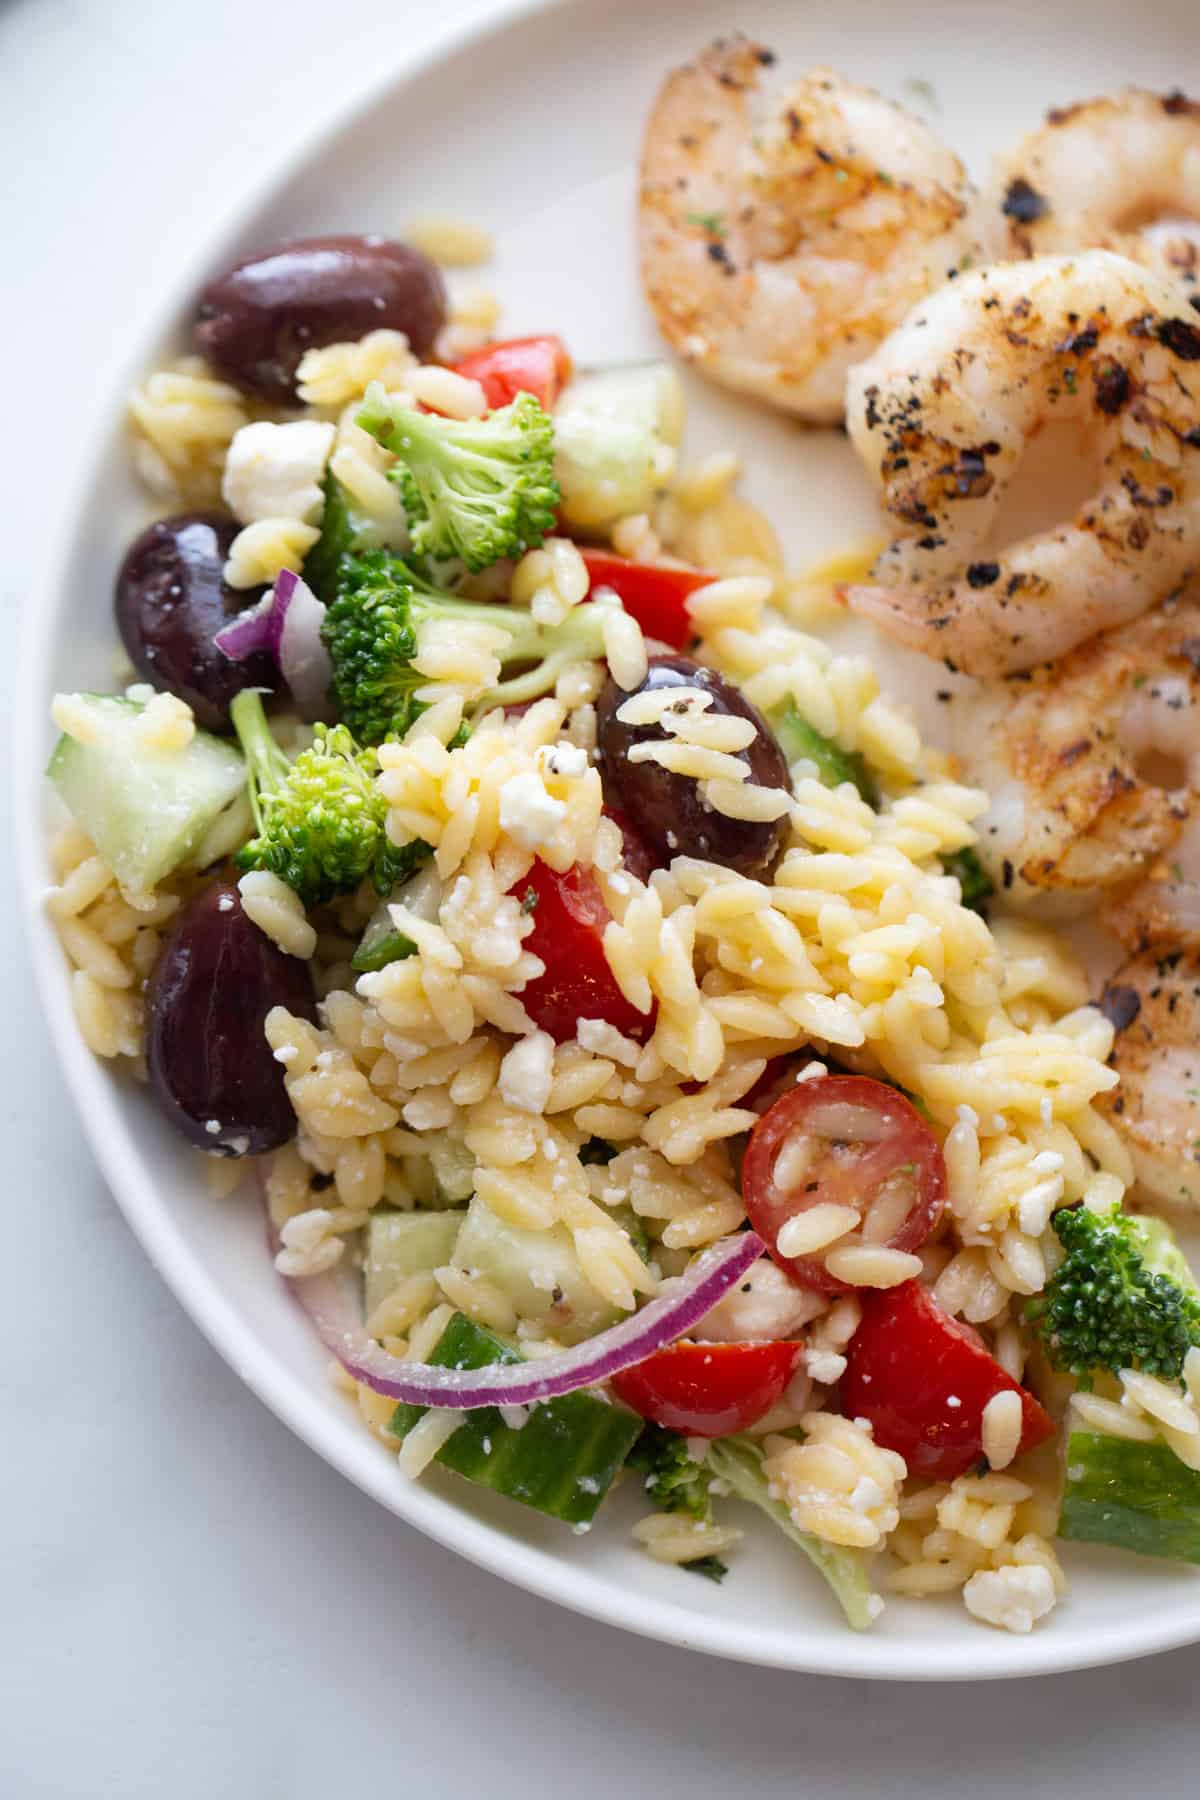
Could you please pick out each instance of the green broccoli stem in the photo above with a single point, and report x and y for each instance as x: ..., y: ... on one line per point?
x: 548, y: 648
x: 267, y: 765
x: 738, y: 1462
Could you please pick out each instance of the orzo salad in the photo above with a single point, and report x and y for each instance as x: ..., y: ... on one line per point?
x: 658, y: 1066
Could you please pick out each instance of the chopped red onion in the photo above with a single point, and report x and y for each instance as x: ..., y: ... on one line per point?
x: 287, y: 624
x: 331, y: 1303
x: 299, y: 648
x: 249, y: 633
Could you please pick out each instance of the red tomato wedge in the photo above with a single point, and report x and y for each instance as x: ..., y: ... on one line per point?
x: 923, y: 1380
x: 654, y: 596
x: 709, y: 1390
x: 533, y: 365
x: 865, y: 1146
x: 569, y: 916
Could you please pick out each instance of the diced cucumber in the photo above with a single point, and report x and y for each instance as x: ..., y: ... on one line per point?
x: 145, y: 810
x: 561, y: 1461
x: 634, y: 1228
x: 1130, y: 1495
x: 381, y: 943
x: 453, y: 1167
x: 403, y: 1244
x: 537, y: 1270
x: 613, y: 430
x: 801, y: 741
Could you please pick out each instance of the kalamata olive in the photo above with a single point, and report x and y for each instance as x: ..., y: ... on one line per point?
x: 171, y: 601
x: 256, y: 320
x: 666, y: 809
x: 216, y: 979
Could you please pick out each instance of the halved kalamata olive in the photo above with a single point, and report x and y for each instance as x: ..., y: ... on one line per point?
x: 214, y: 1074
x: 171, y: 601
x: 666, y: 809
x: 256, y: 320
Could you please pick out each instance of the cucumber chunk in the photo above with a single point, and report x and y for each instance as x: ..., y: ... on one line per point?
x: 537, y: 1270
x: 561, y: 1461
x: 145, y: 810
x: 1133, y: 1496
x: 801, y: 741
x: 403, y: 1244
x: 612, y: 431
x: 381, y: 943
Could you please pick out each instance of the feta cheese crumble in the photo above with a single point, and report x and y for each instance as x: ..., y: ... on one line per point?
x: 275, y: 471
x: 528, y: 814
x: 1013, y: 1598
x: 527, y: 1072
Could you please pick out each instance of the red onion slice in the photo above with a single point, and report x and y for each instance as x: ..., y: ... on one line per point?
x: 299, y: 649
x: 287, y: 624
x: 250, y: 632
x: 331, y: 1304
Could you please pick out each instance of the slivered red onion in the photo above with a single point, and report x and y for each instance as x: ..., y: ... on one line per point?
x: 301, y: 653
x: 248, y: 633
x: 287, y: 624
x: 331, y: 1304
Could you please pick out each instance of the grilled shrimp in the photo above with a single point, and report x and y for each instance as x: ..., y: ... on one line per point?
x: 1154, y: 1003
x: 780, y: 243
x: 1093, y: 762
x: 942, y: 412
x: 1120, y: 174
x: 1162, y: 911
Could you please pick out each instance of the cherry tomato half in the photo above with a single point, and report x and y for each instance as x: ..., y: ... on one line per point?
x: 534, y: 365
x: 866, y: 1145
x: 655, y: 596
x: 569, y: 916
x: 923, y: 1380
x: 709, y: 1390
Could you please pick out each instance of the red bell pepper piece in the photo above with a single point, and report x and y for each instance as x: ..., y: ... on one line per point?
x: 533, y: 365
x: 653, y: 595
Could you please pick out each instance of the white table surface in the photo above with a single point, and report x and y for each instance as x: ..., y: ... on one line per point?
x: 191, y: 1604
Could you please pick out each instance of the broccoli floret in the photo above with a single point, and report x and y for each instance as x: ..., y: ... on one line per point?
x: 1105, y: 1307
x: 976, y: 884
x: 675, y: 1482
x: 372, y: 630
x: 711, y: 1567
x: 320, y: 820
x: 479, y: 489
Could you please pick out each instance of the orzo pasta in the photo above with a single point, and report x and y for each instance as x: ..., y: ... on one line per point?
x: 656, y: 1064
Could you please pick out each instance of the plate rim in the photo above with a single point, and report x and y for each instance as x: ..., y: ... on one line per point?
x: 115, y: 1147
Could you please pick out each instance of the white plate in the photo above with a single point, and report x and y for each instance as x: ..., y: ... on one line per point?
x: 532, y: 128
